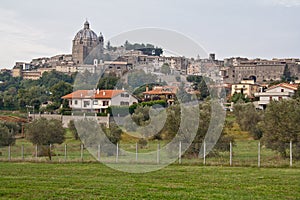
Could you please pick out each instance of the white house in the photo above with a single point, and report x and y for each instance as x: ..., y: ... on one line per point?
x: 276, y: 93
x: 99, y: 100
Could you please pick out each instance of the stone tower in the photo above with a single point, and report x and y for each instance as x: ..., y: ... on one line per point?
x: 86, y: 43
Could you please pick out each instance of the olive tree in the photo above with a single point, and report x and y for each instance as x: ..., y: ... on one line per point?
x: 248, y: 118
x: 45, y: 132
x: 8, y: 130
x: 281, y: 125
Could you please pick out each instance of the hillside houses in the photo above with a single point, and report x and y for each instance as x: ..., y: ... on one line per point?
x: 98, y: 101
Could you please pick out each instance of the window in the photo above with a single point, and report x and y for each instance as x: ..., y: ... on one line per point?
x: 75, y: 102
x: 124, y: 95
x: 95, y: 102
x: 271, y: 98
x: 105, y: 103
x: 123, y: 103
x: 282, y: 90
x: 279, y: 98
x: 86, y: 103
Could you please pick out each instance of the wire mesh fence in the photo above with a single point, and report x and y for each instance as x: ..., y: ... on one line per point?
x: 246, y: 153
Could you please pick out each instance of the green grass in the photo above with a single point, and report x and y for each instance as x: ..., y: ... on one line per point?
x: 95, y: 181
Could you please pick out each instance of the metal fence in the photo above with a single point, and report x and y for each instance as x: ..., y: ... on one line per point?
x: 251, y: 153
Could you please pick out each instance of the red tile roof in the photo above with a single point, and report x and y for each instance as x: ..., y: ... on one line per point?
x: 92, y: 94
x: 162, y: 90
x: 285, y: 85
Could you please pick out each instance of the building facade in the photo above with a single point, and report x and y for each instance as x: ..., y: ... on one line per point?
x: 87, y: 43
x: 98, y: 101
x: 276, y: 93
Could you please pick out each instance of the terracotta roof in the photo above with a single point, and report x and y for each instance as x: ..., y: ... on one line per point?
x: 93, y: 94
x: 162, y: 90
x: 12, y: 119
x: 285, y: 85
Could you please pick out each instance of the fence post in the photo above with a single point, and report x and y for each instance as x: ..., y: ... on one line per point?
x: 204, y: 153
x: 258, y: 156
x: 158, y: 151
x: 117, y: 155
x: 66, y: 152
x: 36, y: 152
x: 22, y: 151
x: 9, y: 152
x: 81, y: 152
x: 136, y: 152
x: 99, y: 152
x: 291, y: 153
x: 230, y: 159
x: 179, y: 153
x: 50, y: 149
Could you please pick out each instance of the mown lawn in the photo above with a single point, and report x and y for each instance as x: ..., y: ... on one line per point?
x: 96, y: 181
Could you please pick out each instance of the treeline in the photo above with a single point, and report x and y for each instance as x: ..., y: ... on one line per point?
x: 276, y: 127
x: 19, y: 94
x: 147, y: 121
x: 147, y: 49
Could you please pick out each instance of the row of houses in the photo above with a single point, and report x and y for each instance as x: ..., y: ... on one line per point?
x: 98, y: 101
x: 116, y: 67
x: 261, y: 94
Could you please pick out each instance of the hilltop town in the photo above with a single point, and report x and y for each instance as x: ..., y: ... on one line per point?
x: 250, y: 77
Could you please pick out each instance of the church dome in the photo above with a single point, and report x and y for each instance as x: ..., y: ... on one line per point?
x: 86, y: 33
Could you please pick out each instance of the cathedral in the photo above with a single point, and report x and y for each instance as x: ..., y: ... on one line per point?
x: 87, y: 46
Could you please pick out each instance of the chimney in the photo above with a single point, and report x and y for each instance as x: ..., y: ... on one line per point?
x: 98, y: 91
x: 103, y: 93
x: 147, y: 88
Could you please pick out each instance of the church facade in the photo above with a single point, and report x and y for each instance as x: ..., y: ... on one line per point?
x: 87, y: 45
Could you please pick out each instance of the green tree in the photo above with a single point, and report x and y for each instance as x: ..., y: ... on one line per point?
x: 239, y: 97
x: 286, y: 74
x: 50, y: 79
x: 45, y: 132
x: 108, y: 82
x: 204, y: 123
x: 199, y: 83
x: 58, y: 90
x: 141, y: 115
x: 7, y: 136
x: 172, y: 123
x: 203, y: 89
x: 281, y: 125
x: 113, y: 133
x: 33, y: 96
x: 73, y: 129
x: 297, y: 93
x: 248, y: 118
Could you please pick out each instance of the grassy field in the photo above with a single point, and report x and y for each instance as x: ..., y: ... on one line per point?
x: 95, y: 181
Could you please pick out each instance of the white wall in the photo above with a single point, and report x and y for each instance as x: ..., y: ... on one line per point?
x: 278, y: 89
x: 116, y: 100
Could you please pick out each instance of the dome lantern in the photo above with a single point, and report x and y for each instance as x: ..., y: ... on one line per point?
x: 86, y: 25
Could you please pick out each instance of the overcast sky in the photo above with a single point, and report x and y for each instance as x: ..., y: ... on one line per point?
x: 257, y: 28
